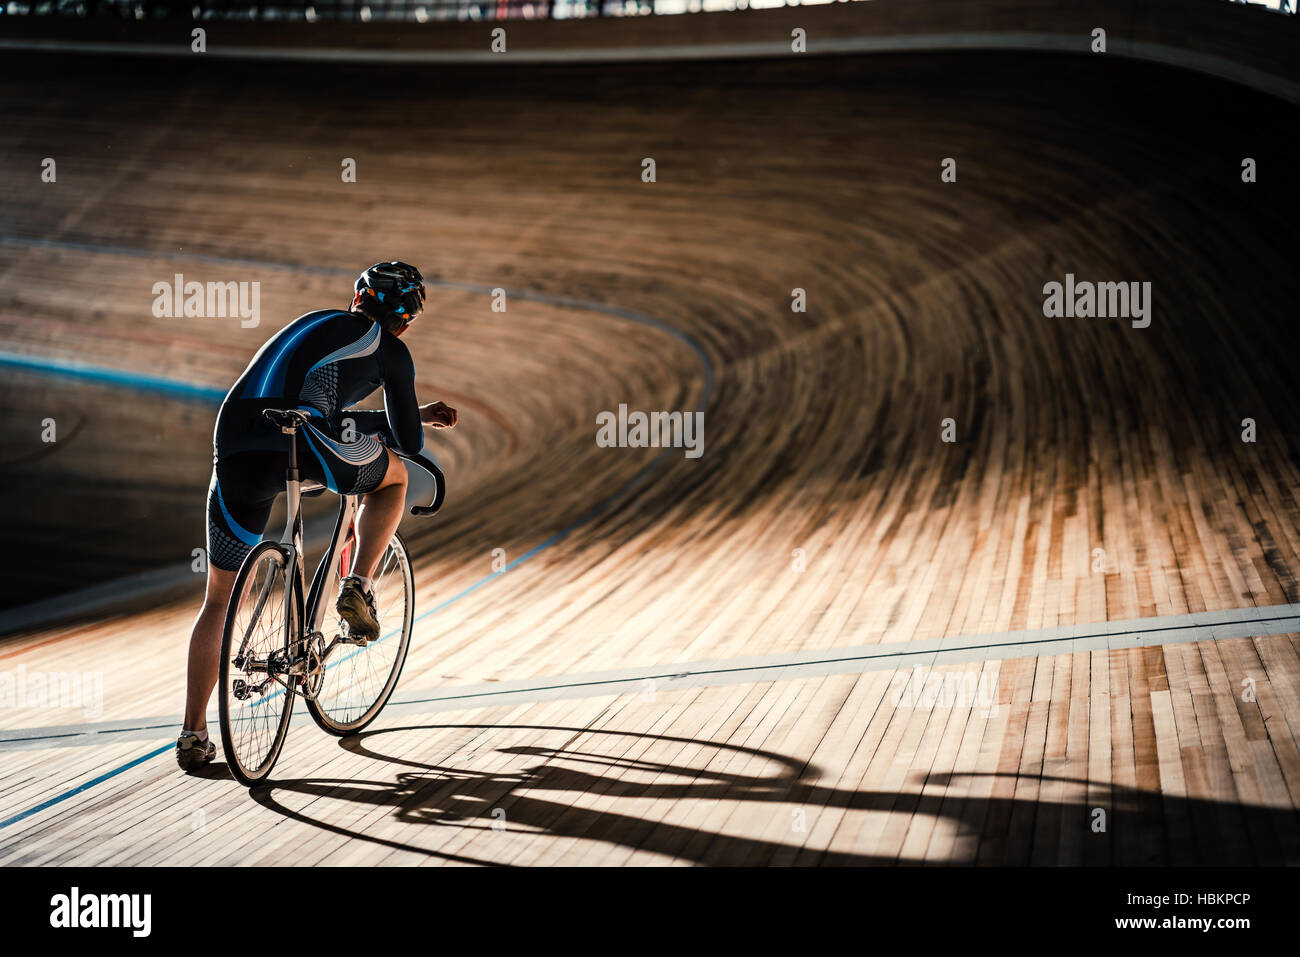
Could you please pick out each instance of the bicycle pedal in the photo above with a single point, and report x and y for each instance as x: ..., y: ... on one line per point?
x: 358, y: 639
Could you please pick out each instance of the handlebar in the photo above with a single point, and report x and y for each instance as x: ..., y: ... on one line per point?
x: 439, y: 483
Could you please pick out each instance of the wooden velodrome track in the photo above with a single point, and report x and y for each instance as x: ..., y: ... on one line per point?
x: 825, y: 544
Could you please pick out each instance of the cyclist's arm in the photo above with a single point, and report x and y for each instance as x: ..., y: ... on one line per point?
x: 401, y: 407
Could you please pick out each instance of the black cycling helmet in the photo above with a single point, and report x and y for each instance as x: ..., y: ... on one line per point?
x: 392, y: 294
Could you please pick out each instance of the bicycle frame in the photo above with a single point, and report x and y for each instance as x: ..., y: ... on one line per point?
x: 315, y: 608
x: 309, y: 609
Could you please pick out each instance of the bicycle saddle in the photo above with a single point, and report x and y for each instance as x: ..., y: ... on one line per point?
x: 286, y: 418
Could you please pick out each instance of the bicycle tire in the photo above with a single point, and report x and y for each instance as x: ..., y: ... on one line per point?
x: 249, y: 765
x: 332, y: 716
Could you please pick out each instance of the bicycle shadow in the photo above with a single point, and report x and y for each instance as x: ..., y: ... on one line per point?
x: 1141, y: 827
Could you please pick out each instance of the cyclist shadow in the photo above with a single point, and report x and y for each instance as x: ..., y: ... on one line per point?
x: 512, y: 802
x: 518, y: 803
x: 215, y: 771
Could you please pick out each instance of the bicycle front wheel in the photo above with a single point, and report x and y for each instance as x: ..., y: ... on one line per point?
x: 255, y: 705
x: 359, y: 681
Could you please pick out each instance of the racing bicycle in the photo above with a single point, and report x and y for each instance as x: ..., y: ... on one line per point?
x: 282, y: 641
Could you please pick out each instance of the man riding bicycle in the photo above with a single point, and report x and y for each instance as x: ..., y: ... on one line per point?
x: 321, y: 363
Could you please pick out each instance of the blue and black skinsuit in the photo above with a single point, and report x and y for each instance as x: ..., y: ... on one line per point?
x: 321, y: 363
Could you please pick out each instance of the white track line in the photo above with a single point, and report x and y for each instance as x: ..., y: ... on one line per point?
x: 930, y: 653
x: 904, y: 43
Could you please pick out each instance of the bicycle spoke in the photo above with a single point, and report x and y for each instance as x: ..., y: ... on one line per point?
x: 358, y: 678
x: 387, y: 562
x: 255, y: 699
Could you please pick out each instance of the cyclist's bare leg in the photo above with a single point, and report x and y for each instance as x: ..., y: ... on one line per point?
x: 205, y: 647
x: 381, y: 511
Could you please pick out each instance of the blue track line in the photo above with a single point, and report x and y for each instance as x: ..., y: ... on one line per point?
x: 117, y: 377
x: 57, y: 799
x: 186, y: 390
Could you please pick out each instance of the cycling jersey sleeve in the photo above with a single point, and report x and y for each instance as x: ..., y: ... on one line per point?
x: 401, y: 407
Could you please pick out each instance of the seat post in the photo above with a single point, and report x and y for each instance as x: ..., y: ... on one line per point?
x: 292, y: 473
x: 289, y: 423
x: 293, y: 498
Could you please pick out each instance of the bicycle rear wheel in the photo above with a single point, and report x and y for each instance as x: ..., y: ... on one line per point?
x: 255, y: 705
x: 359, y: 681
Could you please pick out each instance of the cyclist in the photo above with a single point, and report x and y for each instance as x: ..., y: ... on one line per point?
x: 321, y: 363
